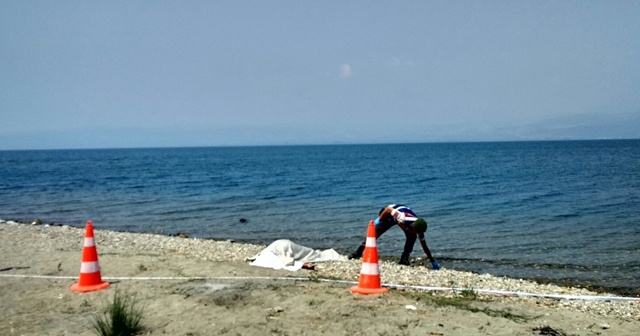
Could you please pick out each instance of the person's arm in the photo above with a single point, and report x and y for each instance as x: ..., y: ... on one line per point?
x: 389, y: 211
x: 386, y: 212
x: 426, y: 250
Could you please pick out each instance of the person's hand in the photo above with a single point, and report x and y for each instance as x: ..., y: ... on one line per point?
x: 435, y: 265
x: 376, y: 221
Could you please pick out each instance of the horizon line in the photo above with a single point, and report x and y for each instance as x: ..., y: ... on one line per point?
x: 326, y: 144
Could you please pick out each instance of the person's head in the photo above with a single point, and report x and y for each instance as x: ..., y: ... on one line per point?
x: 420, y: 225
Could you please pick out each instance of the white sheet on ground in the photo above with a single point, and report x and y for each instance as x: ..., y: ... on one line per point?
x: 285, y: 254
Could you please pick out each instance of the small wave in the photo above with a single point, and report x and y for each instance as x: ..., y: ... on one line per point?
x: 565, y: 216
x: 539, y: 196
x: 427, y: 179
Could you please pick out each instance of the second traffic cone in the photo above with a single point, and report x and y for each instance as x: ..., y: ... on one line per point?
x: 370, y: 274
x: 90, y: 278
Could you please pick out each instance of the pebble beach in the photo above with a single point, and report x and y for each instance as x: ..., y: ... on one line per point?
x: 67, y: 238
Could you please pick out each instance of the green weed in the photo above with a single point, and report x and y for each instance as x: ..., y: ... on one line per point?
x: 122, y: 317
x: 314, y: 277
x: 469, y: 293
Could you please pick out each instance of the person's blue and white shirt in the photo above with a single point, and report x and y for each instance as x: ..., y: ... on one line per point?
x: 403, y: 215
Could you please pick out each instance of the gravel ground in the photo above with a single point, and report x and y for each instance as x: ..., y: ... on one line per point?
x: 66, y: 238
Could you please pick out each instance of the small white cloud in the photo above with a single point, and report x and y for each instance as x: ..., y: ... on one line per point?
x: 345, y: 71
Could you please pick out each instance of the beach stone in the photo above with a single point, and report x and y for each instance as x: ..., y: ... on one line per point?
x: 180, y: 235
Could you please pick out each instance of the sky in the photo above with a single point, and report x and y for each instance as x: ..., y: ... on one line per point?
x: 95, y: 74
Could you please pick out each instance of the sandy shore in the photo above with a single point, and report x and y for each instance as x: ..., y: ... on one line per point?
x: 201, y: 287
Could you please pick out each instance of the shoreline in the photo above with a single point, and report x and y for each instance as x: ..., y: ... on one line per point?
x: 208, y: 287
x: 242, y: 250
x: 416, y: 261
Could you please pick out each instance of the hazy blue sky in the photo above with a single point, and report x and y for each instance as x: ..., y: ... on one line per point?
x: 163, y: 73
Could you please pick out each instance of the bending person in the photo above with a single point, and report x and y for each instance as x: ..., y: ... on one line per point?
x: 408, y: 221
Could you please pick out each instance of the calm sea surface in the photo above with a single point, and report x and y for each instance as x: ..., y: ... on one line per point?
x: 564, y: 211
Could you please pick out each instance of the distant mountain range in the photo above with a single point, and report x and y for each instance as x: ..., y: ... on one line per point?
x: 577, y: 127
x: 585, y: 126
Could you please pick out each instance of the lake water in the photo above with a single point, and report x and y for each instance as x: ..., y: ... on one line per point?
x: 561, y: 211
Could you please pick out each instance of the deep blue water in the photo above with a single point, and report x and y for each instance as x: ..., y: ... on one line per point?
x: 565, y: 210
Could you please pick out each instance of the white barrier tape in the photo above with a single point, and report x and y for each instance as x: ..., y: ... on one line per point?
x: 519, y: 294
x: 424, y: 288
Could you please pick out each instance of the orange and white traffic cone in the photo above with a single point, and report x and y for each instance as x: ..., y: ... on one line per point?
x: 90, y: 278
x: 370, y: 274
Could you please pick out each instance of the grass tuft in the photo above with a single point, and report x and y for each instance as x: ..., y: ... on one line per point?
x: 469, y: 293
x: 122, y: 317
